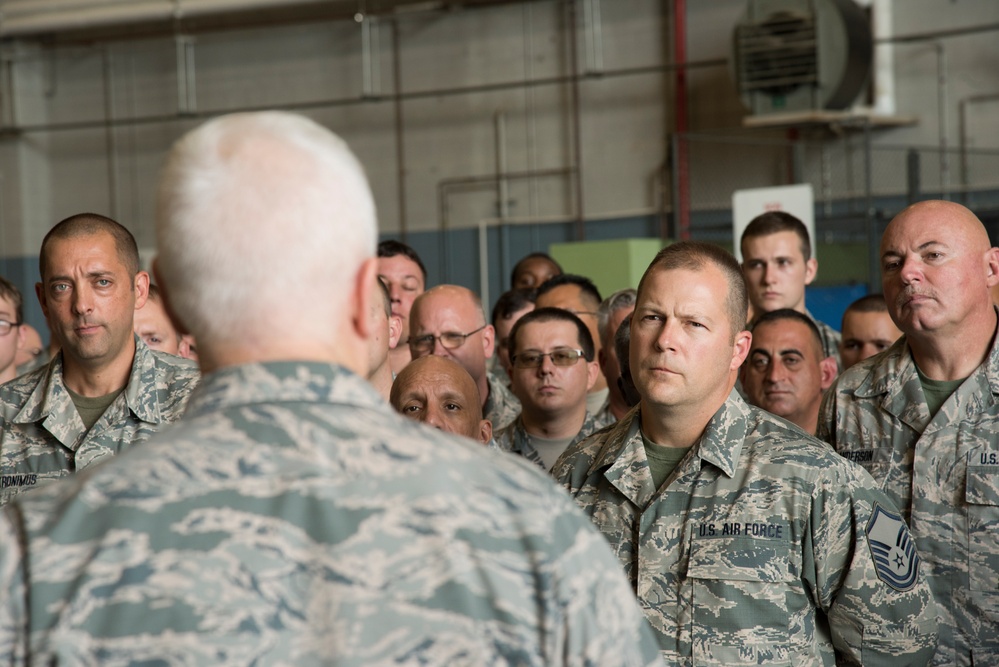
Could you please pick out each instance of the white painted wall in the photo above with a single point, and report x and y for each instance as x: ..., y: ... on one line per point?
x: 625, y: 120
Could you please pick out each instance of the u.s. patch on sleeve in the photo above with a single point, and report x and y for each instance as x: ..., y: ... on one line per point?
x: 894, y: 553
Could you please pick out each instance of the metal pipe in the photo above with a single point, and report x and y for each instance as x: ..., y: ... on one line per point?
x: 400, y: 134
x: 682, y: 164
x: 351, y: 101
x: 576, y: 118
x: 502, y: 185
x: 370, y: 70
x: 109, y: 138
x: 594, y: 37
x: 873, y: 238
x: 187, y: 99
x: 942, y: 106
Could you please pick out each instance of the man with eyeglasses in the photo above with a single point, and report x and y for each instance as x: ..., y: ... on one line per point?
x: 105, y: 390
x: 448, y: 321
x: 553, y: 367
x: 579, y: 296
x: 11, y: 331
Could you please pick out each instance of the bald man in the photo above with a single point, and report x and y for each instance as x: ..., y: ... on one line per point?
x: 448, y: 321
x: 440, y: 393
x: 922, y: 417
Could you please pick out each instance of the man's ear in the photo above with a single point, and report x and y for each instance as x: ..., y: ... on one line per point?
x: 395, y: 330
x: 740, y: 348
x: 811, y: 270
x: 364, y: 293
x: 489, y: 341
x: 141, y: 286
x: 592, y: 371
x: 992, y: 267
x: 827, y: 372
x: 485, y: 431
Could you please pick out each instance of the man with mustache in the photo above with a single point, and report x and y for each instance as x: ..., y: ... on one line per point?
x: 923, y: 416
x: 105, y: 390
x: 746, y: 540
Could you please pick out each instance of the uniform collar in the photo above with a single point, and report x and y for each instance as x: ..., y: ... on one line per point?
x: 280, y: 381
x: 892, y: 376
x: 622, y: 457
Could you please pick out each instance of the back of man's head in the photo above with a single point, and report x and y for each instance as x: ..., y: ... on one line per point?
x: 263, y: 222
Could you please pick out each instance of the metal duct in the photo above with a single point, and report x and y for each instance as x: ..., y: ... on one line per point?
x: 21, y: 18
x: 800, y: 55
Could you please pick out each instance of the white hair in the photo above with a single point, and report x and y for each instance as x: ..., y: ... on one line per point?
x: 262, y: 221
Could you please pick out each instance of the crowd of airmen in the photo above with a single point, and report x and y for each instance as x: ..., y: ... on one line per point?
x: 290, y: 451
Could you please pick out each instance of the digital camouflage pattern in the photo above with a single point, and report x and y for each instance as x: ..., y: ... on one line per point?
x: 942, y: 473
x: 42, y: 436
x: 758, y: 548
x: 515, y: 439
x: 292, y: 518
x: 501, y: 407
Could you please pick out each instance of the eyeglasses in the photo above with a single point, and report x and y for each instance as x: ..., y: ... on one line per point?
x: 5, y: 327
x: 559, y: 357
x: 449, y: 340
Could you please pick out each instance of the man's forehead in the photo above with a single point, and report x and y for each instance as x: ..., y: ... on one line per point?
x: 707, y: 276
x: 783, y: 335
x: 95, y: 249
x: 399, y: 266
x: 568, y: 294
x: 557, y: 333
x: 446, y: 308
x: 778, y: 244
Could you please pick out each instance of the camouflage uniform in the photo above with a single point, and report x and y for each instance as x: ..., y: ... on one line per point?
x: 501, y: 407
x: 42, y: 436
x: 943, y: 473
x: 759, y: 547
x: 515, y: 439
x: 292, y: 518
x: 603, y: 417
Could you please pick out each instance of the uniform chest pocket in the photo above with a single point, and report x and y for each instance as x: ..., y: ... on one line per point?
x: 740, y: 587
x: 982, y: 496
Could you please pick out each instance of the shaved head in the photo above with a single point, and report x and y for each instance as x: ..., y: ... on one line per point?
x: 440, y: 393
x: 937, y: 267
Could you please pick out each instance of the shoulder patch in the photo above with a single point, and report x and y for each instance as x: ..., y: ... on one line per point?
x: 892, y: 549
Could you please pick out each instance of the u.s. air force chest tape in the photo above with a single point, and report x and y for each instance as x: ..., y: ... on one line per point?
x: 981, y: 494
x: 892, y: 548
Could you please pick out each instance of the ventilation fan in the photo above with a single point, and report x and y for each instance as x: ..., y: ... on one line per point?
x: 801, y: 55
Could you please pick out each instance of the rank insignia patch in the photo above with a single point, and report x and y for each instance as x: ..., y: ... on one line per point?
x: 894, y: 553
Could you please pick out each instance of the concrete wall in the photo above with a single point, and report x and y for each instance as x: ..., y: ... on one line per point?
x: 90, y: 122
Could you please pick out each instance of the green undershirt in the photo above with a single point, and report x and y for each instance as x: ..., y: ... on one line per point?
x: 91, y: 409
x: 662, y: 460
x: 937, y: 391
